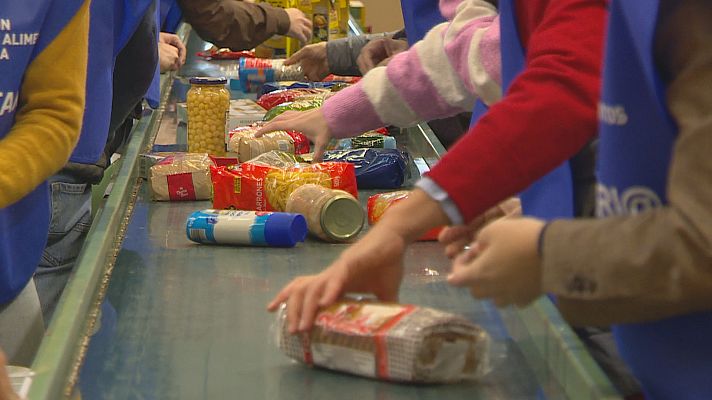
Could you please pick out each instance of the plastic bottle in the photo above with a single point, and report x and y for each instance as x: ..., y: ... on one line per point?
x: 251, y: 228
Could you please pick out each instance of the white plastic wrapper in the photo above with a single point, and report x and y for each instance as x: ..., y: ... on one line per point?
x: 395, y: 342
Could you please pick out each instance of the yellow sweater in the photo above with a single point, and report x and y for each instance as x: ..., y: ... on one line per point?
x: 50, y: 110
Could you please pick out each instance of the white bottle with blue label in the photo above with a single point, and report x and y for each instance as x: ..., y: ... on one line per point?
x: 250, y: 228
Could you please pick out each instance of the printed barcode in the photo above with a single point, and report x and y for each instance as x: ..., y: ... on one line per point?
x: 198, y: 234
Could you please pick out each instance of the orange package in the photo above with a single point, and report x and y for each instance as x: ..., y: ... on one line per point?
x: 379, y: 203
x: 265, y: 183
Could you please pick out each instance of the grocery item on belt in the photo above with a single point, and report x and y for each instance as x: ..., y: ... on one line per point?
x: 272, y: 99
x: 272, y: 86
x: 332, y: 215
x: 208, y: 102
x: 375, y: 168
x: 265, y: 182
x: 252, y: 228
x: 340, y: 78
x: 254, y: 72
x: 379, y: 203
x: 368, y: 140
x: 395, y: 342
x: 182, y: 177
x: 243, y: 142
x: 244, y: 112
x: 297, y: 105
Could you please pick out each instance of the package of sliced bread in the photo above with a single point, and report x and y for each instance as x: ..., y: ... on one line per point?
x: 395, y: 342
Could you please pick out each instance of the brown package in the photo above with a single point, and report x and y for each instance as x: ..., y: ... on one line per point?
x: 182, y: 177
x: 396, y: 342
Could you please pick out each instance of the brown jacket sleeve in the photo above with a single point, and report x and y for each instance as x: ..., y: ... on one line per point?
x: 655, y: 264
x: 236, y: 24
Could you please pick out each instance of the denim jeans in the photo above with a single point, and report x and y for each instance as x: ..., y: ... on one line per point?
x: 69, y: 224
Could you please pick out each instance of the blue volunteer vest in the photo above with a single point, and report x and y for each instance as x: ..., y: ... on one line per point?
x: 419, y: 17
x: 672, y: 358
x: 112, y: 22
x: 552, y: 196
x: 24, y: 224
x: 169, y: 16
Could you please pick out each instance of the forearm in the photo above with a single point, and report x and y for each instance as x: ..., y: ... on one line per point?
x: 437, y: 77
x: 411, y: 218
x: 48, y: 122
x: 238, y: 25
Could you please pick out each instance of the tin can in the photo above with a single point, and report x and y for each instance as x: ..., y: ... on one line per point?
x: 332, y: 215
x: 250, y: 228
x: 254, y: 72
x: 208, y: 103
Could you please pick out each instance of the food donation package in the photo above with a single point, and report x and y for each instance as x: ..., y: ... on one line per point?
x: 297, y: 105
x: 244, y: 143
x: 265, y: 182
x: 269, y: 100
x: 395, y: 342
x: 375, y: 168
x: 182, y: 177
x: 272, y: 86
x: 379, y: 203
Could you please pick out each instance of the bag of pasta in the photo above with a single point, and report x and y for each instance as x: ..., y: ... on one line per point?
x: 244, y: 143
x: 265, y: 182
x: 379, y: 203
x: 395, y: 342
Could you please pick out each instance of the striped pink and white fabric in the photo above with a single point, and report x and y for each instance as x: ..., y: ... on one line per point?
x: 455, y: 64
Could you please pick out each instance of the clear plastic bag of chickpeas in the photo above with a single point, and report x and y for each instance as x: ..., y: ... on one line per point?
x: 208, y: 104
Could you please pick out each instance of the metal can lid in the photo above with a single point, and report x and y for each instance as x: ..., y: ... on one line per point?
x: 208, y: 80
x: 342, y: 217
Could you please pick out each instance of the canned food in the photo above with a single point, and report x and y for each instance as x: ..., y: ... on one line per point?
x: 208, y: 104
x: 332, y: 215
x: 252, y: 228
x: 256, y: 71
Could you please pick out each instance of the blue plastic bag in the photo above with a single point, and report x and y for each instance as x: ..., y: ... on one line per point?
x: 375, y: 168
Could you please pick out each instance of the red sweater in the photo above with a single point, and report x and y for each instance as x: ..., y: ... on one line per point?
x: 546, y: 116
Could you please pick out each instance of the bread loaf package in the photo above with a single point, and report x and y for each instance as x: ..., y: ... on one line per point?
x: 182, y: 177
x: 395, y: 342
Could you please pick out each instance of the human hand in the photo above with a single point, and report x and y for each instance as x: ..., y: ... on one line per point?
x: 171, y: 52
x: 313, y: 60
x: 375, y: 52
x: 372, y: 265
x: 300, y: 27
x: 6, y: 391
x: 503, y: 263
x: 311, y: 123
x: 455, y: 238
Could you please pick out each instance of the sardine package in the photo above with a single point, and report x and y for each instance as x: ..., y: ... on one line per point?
x: 395, y: 342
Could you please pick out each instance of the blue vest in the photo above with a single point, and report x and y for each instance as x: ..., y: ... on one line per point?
x: 552, y: 196
x: 419, y: 17
x: 24, y: 224
x: 112, y: 22
x: 169, y: 16
x: 672, y: 358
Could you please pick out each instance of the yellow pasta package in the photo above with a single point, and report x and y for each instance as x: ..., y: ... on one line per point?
x: 265, y: 183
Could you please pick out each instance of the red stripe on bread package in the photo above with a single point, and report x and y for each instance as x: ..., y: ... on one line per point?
x: 255, y: 186
x: 379, y: 203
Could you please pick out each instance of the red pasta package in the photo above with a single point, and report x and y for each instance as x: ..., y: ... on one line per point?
x: 379, y: 203
x: 265, y: 182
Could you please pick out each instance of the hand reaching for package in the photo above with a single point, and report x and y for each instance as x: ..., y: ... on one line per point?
x: 311, y: 123
x: 377, y: 52
x: 171, y: 52
x: 456, y: 237
x: 313, y: 60
x: 300, y: 27
x: 503, y: 263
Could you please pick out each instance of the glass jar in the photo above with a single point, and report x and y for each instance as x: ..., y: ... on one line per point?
x: 208, y: 104
x: 332, y: 215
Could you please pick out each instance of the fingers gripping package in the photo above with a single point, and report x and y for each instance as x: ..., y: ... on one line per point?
x: 272, y: 99
x: 395, y: 342
x: 244, y: 143
x: 379, y: 203
x: 375, y: 168
x: 297, y: 105
x: 265, y: 182
x: 182, y: 177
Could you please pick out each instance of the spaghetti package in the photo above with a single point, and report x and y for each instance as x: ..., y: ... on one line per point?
x: 272, y: 99
x: 375, y: 168
x: 395, y: 342
x: 182, y: 177
x: 379, y: 203
x: 297, y: 105
x: 247, y: 146
x: 265, y: 182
